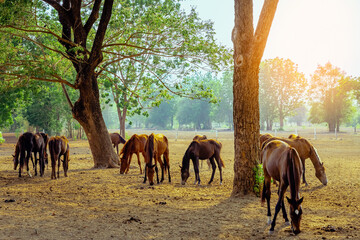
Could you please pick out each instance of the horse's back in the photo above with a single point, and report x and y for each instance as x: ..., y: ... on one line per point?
x: 273, y: 157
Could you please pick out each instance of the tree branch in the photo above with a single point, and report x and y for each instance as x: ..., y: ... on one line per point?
x: 93, y: 16
x: 67, y: 96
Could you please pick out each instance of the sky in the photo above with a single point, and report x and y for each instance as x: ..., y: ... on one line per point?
x: 308, y: 32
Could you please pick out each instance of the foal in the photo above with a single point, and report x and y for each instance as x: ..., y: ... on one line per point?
x: 282, y: 163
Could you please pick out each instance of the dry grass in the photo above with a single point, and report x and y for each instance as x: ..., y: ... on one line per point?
x: 102, y: 204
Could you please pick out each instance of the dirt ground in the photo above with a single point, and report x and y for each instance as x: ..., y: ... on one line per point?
x: 102, y: 204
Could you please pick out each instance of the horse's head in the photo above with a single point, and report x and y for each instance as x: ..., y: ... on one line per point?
x: 123, y: 164
x: 150, y: 172
x: 295, y: 214
x: 16, y: 161
x: 184, y: 174
x: 321, y: 175
x: 319, y: 167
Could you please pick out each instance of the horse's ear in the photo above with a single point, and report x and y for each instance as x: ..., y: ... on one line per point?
x: 288, y: 199
x: 179, y: 165
x: 300, y: 200
x: 13, y: 155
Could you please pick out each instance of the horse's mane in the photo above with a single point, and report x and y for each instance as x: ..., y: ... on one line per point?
x: 127, y: 145
x: 186, y: 158
x: 150, y: 148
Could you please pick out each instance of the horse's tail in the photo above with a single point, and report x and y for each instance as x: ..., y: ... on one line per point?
x: 222, y: 162
x: 166, y: 167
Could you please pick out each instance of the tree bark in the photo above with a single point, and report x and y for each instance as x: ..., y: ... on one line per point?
x: 87, y: 111
x: 248, y: 51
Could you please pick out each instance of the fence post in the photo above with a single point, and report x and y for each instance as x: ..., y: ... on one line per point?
x: 177, y: 133
x: 216, y: 134
x: 315, y: 133
x: 275, y: 132
x: 335, y: 133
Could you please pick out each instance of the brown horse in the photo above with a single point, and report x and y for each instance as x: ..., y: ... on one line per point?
x: 116, y: 139
x: 282, y: 163
x: 23, y: 149
x: 39, y: 147
x: 136, y: 144
x: 204, y: 149
x: 59, y: 146
x: 156, y: 145
x: 305, y: 150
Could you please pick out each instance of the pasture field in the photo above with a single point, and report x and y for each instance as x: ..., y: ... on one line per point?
x: 102, y: 204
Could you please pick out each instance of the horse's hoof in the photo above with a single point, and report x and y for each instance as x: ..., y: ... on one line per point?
x: 287, y: 223
x: 269, y: 221
x: 271, y: 232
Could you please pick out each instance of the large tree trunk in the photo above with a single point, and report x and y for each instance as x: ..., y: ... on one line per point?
x: 248, y: 51
x: 87, y: 112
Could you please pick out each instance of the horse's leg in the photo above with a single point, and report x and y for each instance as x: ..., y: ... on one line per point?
x: 28, y: 155
x: 138, y: 158
x: 217, y: 157
x: 58, y: 166
x: 304, y: 180
x: 157, y: 173
x: 213, y: 170
x: 128, y: 166
x: 145, y: 173
x: 53, y: 164
x: 117, y: 149
x: 284, y: 213
x: 41, y: 163
x: 162, y: 165
x: 282, y: 189
x: 167, y: 163
x: 196, y: 170
x: 34, y: 165
x: 267, y: 194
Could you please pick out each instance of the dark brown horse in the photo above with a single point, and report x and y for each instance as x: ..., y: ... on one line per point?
x: 198, y: 138
x: 23, y: 150
x: 116, y: 139
x: 136, y: 144
x: 39, y: 147
x: 59, y: 146
x: 282, y: 163
x: 305, y: 150
x: 200, y: 150
x: 156, y: 145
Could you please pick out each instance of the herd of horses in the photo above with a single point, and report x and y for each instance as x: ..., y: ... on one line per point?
x: 37, y: 143
x: 283, y: 160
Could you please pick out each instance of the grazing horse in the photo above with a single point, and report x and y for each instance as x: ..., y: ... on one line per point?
x: 156, y: 145
x: 59, y: 146
x: 116, y: 139
x: 305, y: 150
x: 204, y: 149
x: 23, y: 148
x: 136, y: 144
x: 282, y: 163
x: 39, y: 146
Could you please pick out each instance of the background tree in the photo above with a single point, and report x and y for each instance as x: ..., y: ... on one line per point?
x: 329, y: 94
x: 248, y: 51
x: 282, y: 87
x: 163, y: 116
x: 223, y: 110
